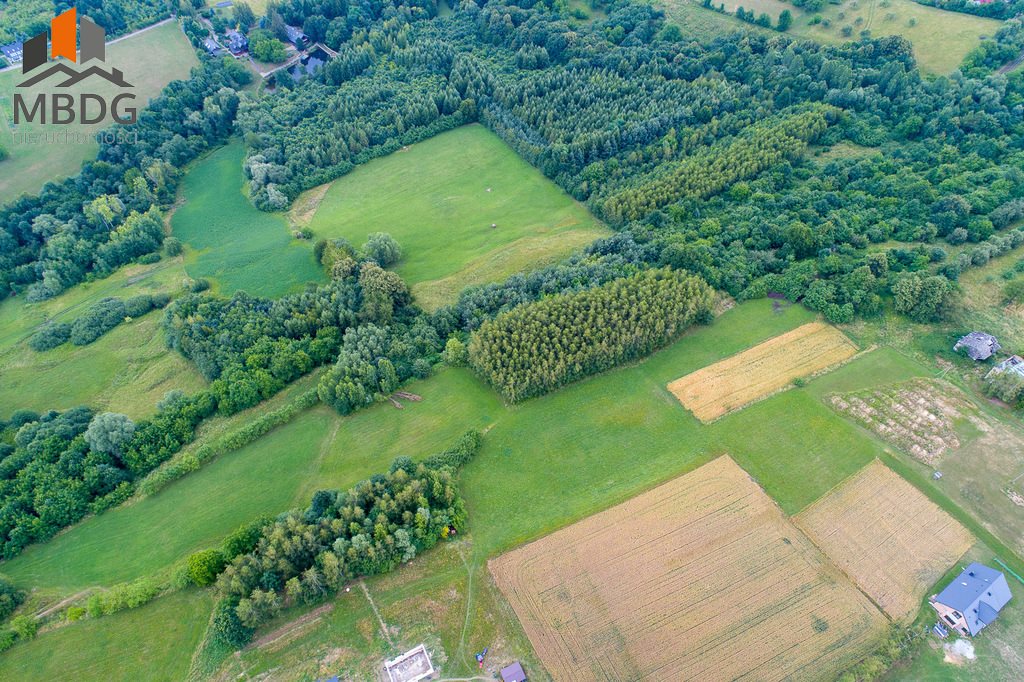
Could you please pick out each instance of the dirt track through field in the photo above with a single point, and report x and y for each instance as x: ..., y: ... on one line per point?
x: 700, y: 578
x: 886, y: 535
x: 758, y: 372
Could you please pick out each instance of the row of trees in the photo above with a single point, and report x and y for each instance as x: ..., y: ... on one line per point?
x: 99, y: 319
x: 370, y: 529
x: 535, y: 348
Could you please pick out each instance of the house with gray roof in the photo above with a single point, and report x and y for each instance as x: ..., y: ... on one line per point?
x: 979, y: 345
x: 973, y: 600
x: 12, y: 52
x: 513, y: 673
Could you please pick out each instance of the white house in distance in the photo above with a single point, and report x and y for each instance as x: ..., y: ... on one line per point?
x: 973, y: 600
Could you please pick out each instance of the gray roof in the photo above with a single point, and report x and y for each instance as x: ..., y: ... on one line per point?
x: 295, y: 33
x: 979, y: 345
x: 12, y: 51
x: 1014, y: 363
x: 513, y: 673
x: 979, y: 593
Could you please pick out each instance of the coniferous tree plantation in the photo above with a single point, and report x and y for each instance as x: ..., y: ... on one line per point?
x: 535, y: 348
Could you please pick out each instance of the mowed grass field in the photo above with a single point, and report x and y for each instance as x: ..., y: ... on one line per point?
x: 890, y: 539
x: 147, y: 643
x: 671, y: 585
x: 941, y: 39
x: 439, y: 199
x: 149, y: 61
x: 127, y: 370
x: 232, y: 243
x: 757, y: 372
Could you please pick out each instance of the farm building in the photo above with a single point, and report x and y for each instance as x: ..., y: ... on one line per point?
x: 237, y: 43
x: 973, y: 600
x: 11, y: 52
x: 1014, y: 363
x: 979, y: 345
x: 513, y: 673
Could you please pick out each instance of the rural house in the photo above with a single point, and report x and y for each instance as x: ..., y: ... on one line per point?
x: 513, y: 673
x: 11, y: 52
x: 979, y: 345
x: 237, y: 43
x: 1014, y: 364
x: 296, y: 37
x: 973, y: 600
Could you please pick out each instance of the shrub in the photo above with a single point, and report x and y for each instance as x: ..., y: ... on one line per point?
x: 25, y: 626
x: 245, y: 538
x: 173, y: 247
x: 7, y: 639
x: 75, y: 613
x: 382, y: 248
x: 97, y: 321
x: 21, y: 417
x: 205, y: 566
x: 137, y: 306
x: 10, y: 598
x: 50, y: 336
x: 226, y: 627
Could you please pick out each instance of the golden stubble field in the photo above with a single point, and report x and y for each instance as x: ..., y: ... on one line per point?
x: 700, y: 578
x: 887, y: 536
x: 762, y: 370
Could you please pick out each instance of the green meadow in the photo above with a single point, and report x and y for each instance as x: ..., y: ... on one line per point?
x: 149, y: 60
x: 941, y: 38
x: 439, y: 199
x: 232, y: 243
x: 127, y: 370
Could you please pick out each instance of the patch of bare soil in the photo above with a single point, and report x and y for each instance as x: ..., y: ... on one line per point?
x: 918, y: 416
x: 292, y: 629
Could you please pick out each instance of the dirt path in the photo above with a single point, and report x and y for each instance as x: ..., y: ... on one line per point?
x: 460, y: 653
x: 1011, y: 65
x: 291, y: 628
x: 380, y: 620
x: 50, y: 610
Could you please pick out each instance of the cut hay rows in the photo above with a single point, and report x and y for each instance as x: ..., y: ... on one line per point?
x: 886, y: 535
x: 700, y: 578
x: 762, y: 370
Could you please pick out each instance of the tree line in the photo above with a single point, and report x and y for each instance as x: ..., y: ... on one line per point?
x: 535, y: 348
x: 372, y: 528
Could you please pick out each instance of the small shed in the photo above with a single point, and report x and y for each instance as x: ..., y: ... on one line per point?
x: 513, y: 673
x: 1013, y: 364
x: 978, y: 345
x: 973, y: 600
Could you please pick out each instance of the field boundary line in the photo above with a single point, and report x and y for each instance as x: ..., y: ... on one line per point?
x: 380, y: 620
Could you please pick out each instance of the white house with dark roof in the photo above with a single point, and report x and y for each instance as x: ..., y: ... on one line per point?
x: 979, y: 345
x: 973, y: 600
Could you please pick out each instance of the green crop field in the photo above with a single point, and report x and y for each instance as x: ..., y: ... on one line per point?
x: 231, y: 242
x: 128, y: 370
x: 941, y: 39
x: 145, y: 644
x: 149, y: 61
x: 439, y: 199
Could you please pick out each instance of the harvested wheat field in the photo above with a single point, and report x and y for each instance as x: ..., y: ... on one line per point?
x: 700, y: 578
x: 757, y: 372
x: 886, y: 535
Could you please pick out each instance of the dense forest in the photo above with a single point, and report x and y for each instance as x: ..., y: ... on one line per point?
x: 535, y: 348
